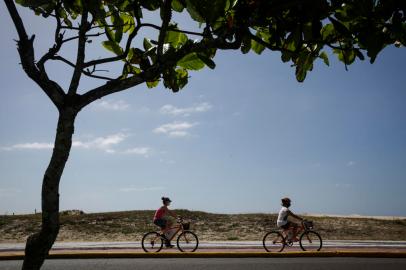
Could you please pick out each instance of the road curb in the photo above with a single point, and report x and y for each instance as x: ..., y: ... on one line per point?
x: 111, y: 255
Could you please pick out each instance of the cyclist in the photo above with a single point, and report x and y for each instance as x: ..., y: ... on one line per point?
x: 161, y: 219
x: 286, y: 224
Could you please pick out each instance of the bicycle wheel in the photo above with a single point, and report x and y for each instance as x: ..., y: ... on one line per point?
x: 151, y: 242
x: 273, y: 242
x: 310, y: 241
x: 187, y: 241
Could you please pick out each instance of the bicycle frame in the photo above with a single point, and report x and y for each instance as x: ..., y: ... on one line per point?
x: 302, y: 229
x: 178, y: 228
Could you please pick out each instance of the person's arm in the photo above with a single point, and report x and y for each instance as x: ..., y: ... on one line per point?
x: 171, y: 213
x: 290, y: 213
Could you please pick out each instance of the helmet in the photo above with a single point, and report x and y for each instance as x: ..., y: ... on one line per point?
x: 166, y: 199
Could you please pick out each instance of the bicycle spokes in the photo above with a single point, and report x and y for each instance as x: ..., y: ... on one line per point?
x: 187, y: 241
x: 273, y: 242
x: 310, y: 241
x: 152, y: 242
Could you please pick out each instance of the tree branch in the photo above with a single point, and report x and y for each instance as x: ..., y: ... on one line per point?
x: 26, y: 52
x: 118, y: 57
x: 172, y: 29
x: 113, y: 87
x: 57, y: 46
x: 267, y: 45
x: 85, y: 72
x: 166, y: 10
x: 87, y: 36
x: 80, y: 59
x: 168, y: 60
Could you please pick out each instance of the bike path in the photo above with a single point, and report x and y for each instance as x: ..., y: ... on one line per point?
x: 391, y: 249
x: 338, y: 244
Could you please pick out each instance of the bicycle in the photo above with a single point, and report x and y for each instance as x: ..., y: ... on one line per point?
x: 309, y: 240
x: 187, y: 240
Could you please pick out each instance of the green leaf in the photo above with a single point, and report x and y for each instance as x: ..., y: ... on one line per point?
x: 152, y: 84
x: 345, y: 56
x: 182, y: 77
x: 324, y: 56
x: 207, y: 10
x: 327, y: 32
x: 340, y: 28
x: 304, y: 63
x: 118, y: 26
x: 177, y: 5
x: 194, y: 12
x: 359, y: 54
x: 257, y: 47
x: 128, y: 21
x: 113, y: 47
x: 151, y: 4
x: 286, y: 56
x: 135, y: 56
x: 176, y: 39
x: 147, y: 44
x: 246, y: 44
x: 210, y: 63
x: 191, y: 61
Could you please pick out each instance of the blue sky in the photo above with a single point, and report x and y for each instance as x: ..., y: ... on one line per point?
x: 235, y: 140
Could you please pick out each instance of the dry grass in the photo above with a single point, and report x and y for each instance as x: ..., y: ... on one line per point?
x: 131, y: 225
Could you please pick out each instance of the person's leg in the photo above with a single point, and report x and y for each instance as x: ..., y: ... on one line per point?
x: 167, y: 228
x: 286, y: 230
x: 295, y: 230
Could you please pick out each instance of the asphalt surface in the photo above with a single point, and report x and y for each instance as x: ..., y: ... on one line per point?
x: 219, y: 263
x: 214, y: 245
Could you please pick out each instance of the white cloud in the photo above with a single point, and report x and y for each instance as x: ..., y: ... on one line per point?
x: 29, y: 146
x: 175, y: 111
x: 141, y: 151
x: 107, y: 144
x: 178, y: 133
x: 136, y: 189
x: 112, y: 105
x: 102, y: 143
x: 175, y: 129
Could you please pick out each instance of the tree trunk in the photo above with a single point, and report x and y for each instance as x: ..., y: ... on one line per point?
x: 39, y: 244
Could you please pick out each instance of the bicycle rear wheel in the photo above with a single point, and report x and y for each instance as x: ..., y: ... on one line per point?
x: 151, y: 242
x: 310, y: 241
x: 187, y: 241
x: 273, y: 241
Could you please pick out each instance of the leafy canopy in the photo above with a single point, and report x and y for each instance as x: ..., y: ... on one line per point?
x: 300, y: 30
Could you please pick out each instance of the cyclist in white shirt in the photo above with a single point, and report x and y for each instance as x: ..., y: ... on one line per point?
x: 283, y: 221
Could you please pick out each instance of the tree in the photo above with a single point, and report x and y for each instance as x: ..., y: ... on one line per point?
x: 298, y: 29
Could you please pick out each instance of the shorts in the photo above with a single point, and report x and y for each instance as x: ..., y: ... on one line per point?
x: 289, y: 225
x: 160, y: 222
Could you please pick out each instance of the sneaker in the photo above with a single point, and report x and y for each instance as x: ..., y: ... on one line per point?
x: 169, y: 245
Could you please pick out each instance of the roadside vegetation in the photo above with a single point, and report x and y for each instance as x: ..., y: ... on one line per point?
x: 131, y: 225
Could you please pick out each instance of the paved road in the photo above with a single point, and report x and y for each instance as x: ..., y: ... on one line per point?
x: 329, y: 244
x: 219, y: 264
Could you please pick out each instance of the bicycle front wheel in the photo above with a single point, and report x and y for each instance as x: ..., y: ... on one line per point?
x: 310, y: 241
x: 152, y: 242
x: 187, y: 241
x: 273, y: 242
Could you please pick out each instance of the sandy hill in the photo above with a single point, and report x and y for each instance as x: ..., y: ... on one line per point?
x: 130, y: 226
